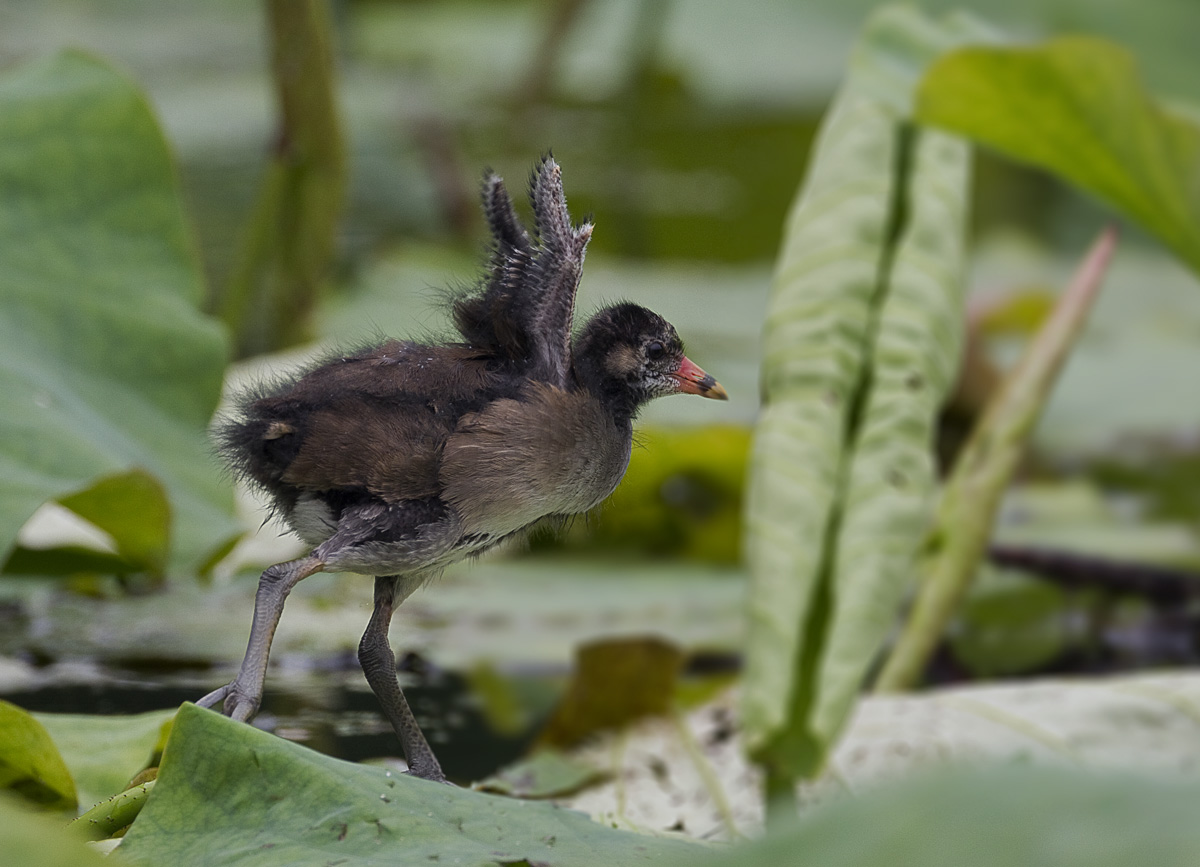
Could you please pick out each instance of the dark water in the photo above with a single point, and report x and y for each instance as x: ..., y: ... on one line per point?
x: 331, y: 712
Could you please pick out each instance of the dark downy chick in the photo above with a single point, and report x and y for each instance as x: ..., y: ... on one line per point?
x: 401, y: 458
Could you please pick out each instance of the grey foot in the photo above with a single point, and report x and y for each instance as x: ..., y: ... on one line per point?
x: 235, y: 704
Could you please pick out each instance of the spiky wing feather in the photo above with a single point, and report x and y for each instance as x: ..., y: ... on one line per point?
x: 524, y: 312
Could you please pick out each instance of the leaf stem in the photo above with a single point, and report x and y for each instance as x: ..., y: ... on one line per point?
x: 983, y: 471
x: 782, y: 804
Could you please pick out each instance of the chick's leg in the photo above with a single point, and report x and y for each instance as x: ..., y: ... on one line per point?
x: 242, y: 697
x: 379, y: 665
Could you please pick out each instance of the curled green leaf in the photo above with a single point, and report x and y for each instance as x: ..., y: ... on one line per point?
x: 108, y: 817
x: 861, y: 346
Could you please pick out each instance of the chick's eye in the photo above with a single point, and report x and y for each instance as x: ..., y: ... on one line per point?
x: 655, y: 350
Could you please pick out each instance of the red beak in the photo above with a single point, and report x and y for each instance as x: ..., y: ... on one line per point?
x: 693, y: 380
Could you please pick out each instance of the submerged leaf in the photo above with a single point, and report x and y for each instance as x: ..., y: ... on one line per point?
x: 616, y: 682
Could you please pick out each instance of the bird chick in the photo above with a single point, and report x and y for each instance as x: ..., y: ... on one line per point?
x: 401, y: 458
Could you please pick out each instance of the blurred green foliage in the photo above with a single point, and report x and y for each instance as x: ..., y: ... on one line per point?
x: 993, y: 817
x: 39, y: 841
x: 686, y: 149
x: 288, y: 243
x: 30, y: 764
x: 108, y: 372
x: 695, y: 147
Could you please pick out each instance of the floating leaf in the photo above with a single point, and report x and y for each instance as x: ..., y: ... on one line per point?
x: 1144, y: 724
x: 546, y: 774
x: 133, y: 509
x: 229, y: 793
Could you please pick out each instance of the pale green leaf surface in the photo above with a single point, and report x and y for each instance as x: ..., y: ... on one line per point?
x: 30, y: 765
x: 105, y: 364
x: 813, y: 348
x: 891, y: 483
x: 104, y: 753
x: 860, y: 346
x: 228, y: 793
x: 889, y: 64
x: 1076, y: 107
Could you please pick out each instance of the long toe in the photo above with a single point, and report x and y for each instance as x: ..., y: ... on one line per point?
x: 217, y: 695
x: 240, y: 707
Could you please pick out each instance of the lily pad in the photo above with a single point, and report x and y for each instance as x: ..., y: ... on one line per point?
x: 699, y: 781
x: 108, y: 371
x: 229, y: 793
x: 509, y: 612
